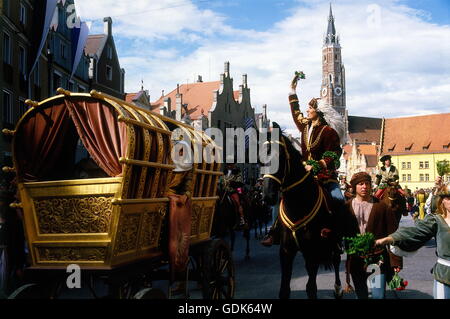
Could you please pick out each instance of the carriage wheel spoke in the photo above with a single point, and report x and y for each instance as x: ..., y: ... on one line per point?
x: 224, y: 266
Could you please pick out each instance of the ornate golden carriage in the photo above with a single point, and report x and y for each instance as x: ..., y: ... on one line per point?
x: 117, y: 217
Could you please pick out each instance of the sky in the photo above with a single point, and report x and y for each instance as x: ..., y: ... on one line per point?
x: 396, y: 52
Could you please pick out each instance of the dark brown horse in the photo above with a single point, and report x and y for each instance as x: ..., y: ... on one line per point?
x: 308, y: 225
x: 395, y: 200
x: 226, y: 220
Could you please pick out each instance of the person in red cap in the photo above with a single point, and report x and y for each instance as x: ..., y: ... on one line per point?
x: 369, y: 214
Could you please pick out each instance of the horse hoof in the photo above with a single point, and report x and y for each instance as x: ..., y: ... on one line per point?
x: 338, y: 292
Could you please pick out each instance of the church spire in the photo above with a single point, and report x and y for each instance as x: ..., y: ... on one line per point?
x: 330, y: 37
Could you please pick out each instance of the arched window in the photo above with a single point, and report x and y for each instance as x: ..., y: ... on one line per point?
x: 331, y: 78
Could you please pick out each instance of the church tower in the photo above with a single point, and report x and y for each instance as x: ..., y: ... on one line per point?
x: 333, y: 72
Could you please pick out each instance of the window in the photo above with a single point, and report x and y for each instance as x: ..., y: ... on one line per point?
x: 6, y: 48
x: 420, y: 164
x: 63, y: 50
x: 22, y: 60
x: 71, y: 86
x: 36, y: 73
x: 109, y: 73
x: 404, y: 177
x: 427, y: 177
x: 56, y: 81
x: 7, y: 108
x: 403, y: 165
x: 22, y: 107
x: 421, y: 177
x: 427, y: 165
x: 409, y: 165
x: 6, y: 7
x: 218, y: 124
x: 23, y: 14
x: 409, y: 177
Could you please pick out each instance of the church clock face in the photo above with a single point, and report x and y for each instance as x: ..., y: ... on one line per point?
x: 338, y: 91
x: 324, y: 92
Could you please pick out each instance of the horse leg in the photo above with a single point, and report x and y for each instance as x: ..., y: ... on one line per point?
x: 247, y: 238
x: 338, y: 292
x: 232, y: 238
x: 287, y: 261
x: 312, y: 269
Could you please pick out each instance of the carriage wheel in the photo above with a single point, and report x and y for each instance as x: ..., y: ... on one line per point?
x: 37, y: 291
x: 218, y: 271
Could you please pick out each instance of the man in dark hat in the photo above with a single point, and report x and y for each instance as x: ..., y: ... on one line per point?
x: 388, y: 173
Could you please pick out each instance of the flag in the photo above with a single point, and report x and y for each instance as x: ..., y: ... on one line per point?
x: 249, y: 123
x: 55, y: 20
x: 44, y: 12
x: 79, y: 39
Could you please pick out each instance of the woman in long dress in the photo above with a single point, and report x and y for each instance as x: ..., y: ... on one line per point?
x: 406, y: 240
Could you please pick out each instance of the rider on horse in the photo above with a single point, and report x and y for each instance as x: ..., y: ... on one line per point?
x: 322, y: 132
x: 388, y: 174
x: 231, y: 182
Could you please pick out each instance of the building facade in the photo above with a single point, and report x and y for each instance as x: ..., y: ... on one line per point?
x: 16, y: 29
x: 105, y: 73
x: 416, y: 146
x: 215, y: 104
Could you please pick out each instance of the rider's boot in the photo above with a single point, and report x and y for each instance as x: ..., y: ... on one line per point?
x: 273, y: 236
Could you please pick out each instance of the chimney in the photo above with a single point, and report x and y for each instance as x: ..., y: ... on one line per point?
x: 167, y: 105
x: 178, y: 103
x: 199, y: 79
x: 227, y: 68
x: 244, y: 80
x: 107, y: 26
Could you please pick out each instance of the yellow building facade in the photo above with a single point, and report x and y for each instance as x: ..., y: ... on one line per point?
x: 419, y: 170
x: 416, y: 144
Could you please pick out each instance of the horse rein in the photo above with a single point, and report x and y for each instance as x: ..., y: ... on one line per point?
x: 281, y: 182
x: 293, y: 227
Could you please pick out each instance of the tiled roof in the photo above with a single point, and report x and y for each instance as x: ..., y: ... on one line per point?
x: 364, y: 129
x: 372, y: 160
x: 129, y: 97
x: 198, y: 96
x: 93, y: 44
x: 417, y: 135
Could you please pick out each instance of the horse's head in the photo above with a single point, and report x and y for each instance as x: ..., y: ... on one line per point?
x: 289, y: 166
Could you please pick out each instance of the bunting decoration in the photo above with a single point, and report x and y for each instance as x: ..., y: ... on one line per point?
x: 79, y: 39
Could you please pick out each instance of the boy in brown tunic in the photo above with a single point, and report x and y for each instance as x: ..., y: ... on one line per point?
x: 368, y: 214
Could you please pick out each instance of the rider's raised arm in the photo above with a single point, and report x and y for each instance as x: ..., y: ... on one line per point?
x: 298, y: 117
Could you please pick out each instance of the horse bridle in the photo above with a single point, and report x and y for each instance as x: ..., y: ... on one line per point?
x: 294, y: 226
x: 288, y: 167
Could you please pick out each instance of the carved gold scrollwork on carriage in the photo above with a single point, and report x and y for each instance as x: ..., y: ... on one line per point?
x: 150, y: 228
x: 162, y: 212
x: 74, y: 215
x: 73, y: 254
x: 127, y: 233
x: 195, y: 218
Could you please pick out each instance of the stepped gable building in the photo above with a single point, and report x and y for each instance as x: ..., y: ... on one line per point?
x: 105, y: 73
x: 214, y: 104
x: 416, y: 144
